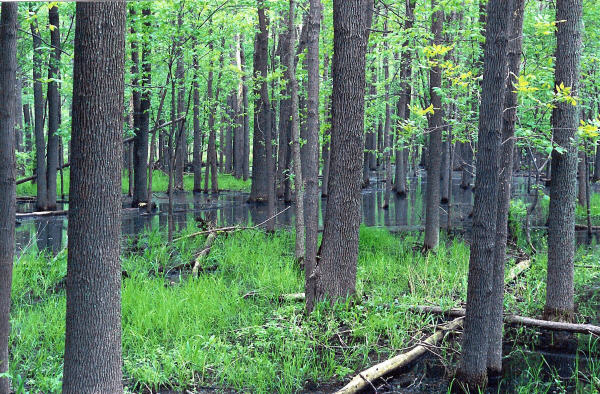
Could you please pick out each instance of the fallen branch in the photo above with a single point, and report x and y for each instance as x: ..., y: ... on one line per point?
x: 204, y: 252
x: 231, y: 228
x: 41, y: 214
x: 366, y: 377
x: 518, y: 320
x: 292, y: 297
x: 517, y: 270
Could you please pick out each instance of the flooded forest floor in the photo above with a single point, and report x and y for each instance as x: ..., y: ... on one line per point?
x: 226, y: 326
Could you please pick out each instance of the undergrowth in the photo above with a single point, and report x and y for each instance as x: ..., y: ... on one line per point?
x: 228, y: 328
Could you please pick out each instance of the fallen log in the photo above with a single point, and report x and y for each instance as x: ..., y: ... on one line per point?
x: 41, y: 214
x: 204, y: 252
x: 518, y: 320
x: 366, y: 377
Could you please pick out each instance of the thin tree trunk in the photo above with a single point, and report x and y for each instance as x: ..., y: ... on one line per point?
x: 432, y: 210
x: 238, y: 138
x: 93, y: 360
x: 311, y: 176
x: 8, y: 97
x: 53, y: 108
x: 472, y: 371
x: 387, y: 129
x: 370, y: 154
x: 284, y: 120
x: 334, y: 276
x: 38, y: 109
x: 246, y: 115
x: 140, y: 142
x: 197, y: 132
x: 494, y: 362
x: 565, y: 119
x: 327, y: 133
x: 581, y: 181
x: 181, y: 145
x: 293, y: 89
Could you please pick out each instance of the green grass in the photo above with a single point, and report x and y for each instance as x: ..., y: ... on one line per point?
x: 205, y: 332
x: 160, y: 183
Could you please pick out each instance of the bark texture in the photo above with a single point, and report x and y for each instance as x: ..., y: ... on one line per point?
x: 472, y: 371
x: 197, y: 151
x: 8, y: 77
x: 565, y: 120
x: 92, y: 362
x: 494, y: 363
x: 53, y: 108
x: 335, y: 271
x: 432, y: 193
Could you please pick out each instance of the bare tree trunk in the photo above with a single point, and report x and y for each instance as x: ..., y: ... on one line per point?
x: 472, y: 371
x: 197, y: 131
x: 8, y: 97
x: 293, y: 89
x: 565, y: 119
x: 238, y: 137
x: 38, y: 109
x: 246, y: 116
x: 432, y: 210
x: 180, y: 143
x: 311, y: 176
x: 140, y: 142
x: 285, y: 110
x: 370, y: 154
x: 494, y: 362
x: 53, y: 108
x: 262, y: 118
x: 334, y: 276
x: 581, y: 181
x: 387, y: 129
x: 327, y: 133
x: 92, y: 361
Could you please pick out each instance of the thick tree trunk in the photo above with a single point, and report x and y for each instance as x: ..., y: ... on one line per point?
x: 53, y: 108
x: 565, y: 119
x: 494, y: 362
x: 311, y: 176
x: 8, y: 76
x: 432, y: 194
x: 262, y: 118
x: 326, y: 133
x: 334, y: 276
x: 38, y: 109
x: 472, y: 371
x: 92, y: 361
x: 140, y: 142
x: 285, y: 111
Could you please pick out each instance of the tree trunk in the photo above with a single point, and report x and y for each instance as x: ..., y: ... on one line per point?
x: 295, y: 135
x: 246, y: 115
x: 140, y: 142
x: 311, y: 176
x: 262, y: 118
x: 334, y: 276
x: 180, y: 141
x: 581, y: 178
x: 197, y: 132
x: 326, y: 133
x: 238, y: 137
x: 53, y: 108
x: 285, y: 113
x: 565, y: 120
x: 432, y: 210
x: 387, y: 128
x: 8, y: 97
x: 472, y: 371
x: 38, y: 109
x: 92, y: 361
x: 494, y: 362
x: 370, y: 154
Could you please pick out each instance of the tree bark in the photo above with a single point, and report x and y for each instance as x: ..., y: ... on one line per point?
x: 311, y: 176
x: 8, y: 97
x: 581, y: 178
x: 38, y: 109
x: 140, y: 141
x: 197, y: 131
x: 432, y: 210
x: 472, y: 371
x: 180, y: 141
x: 565, y: 119
x: 53, y: 108
x: 238, y: 137
x: 246, y: 115
x: 92, y: 361
x: 262, y: 118
x: 326, y: 134
x: 211, y: 155
x: 387, y: 128
x: 285, y: 112
x: 334, y: 276
x: 295, y: 135
x: 494, y: 362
